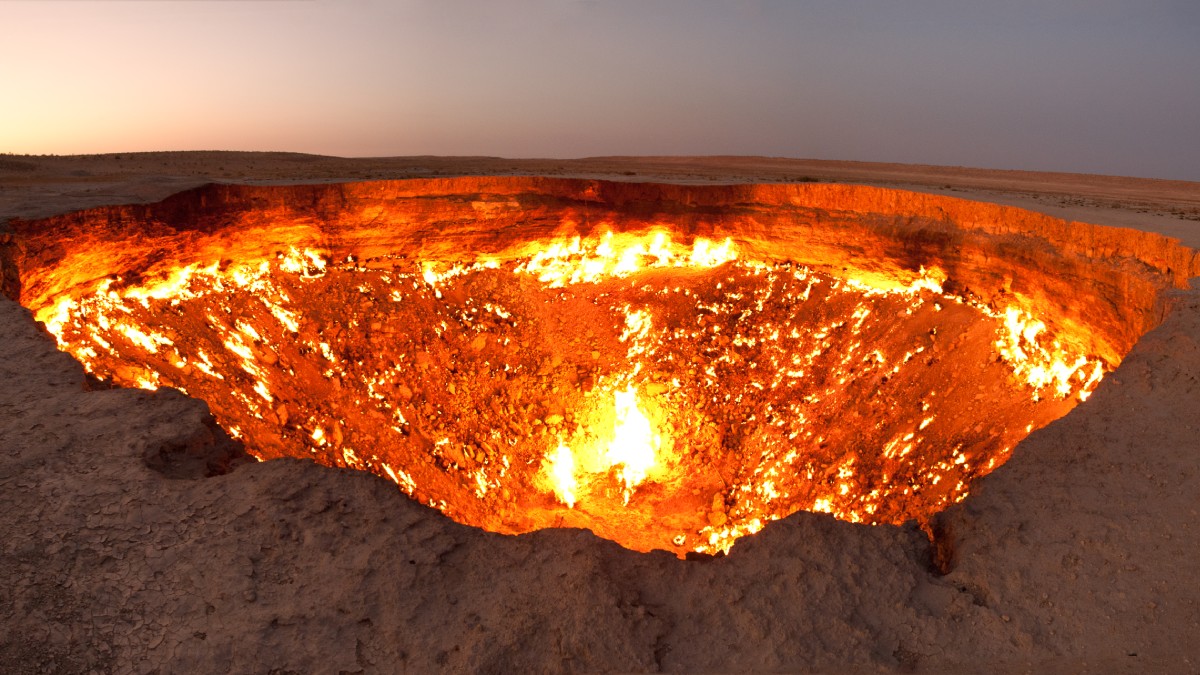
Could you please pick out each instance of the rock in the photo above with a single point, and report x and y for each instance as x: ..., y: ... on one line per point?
x: 404, y: 392
x: 656, y: 389
x: 454, y: 453
x: 716, y: 515
x: 554, y: 420
x: 717, y: 518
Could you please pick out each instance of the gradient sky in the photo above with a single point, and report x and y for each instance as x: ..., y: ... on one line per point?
x: 1097, y: 86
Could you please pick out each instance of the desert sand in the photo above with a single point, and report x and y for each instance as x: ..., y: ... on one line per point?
x: 119, y: 556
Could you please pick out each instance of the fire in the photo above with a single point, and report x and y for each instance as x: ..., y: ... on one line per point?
x: 924, y: 280
x: 631, y: 452
x: 634, y: 442
x: 725, y: 397
x: 706, y: 254
x: 560, y: 469
x: 307, y: 263
x: 1043, y: 366
x: 565, y: 262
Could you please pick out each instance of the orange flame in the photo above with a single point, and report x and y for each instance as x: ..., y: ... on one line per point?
x: 1021, y: 346
x: 780, y: 355
x: 562, y: 262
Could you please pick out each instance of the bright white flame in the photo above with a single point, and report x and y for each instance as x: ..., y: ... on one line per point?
x: 563, y: 262
x: 706, y: 254
x: 560, y: 468
x: 634, y: 441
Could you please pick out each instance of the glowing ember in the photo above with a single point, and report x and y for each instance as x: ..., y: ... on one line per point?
x: 518, y: 392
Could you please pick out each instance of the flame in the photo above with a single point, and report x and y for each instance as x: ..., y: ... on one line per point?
x: 748, y: 357
x: 307, y: 263
x: 930, y: 279
x: 564, y: 262
x: 559, y: 467
x: 1042, y: 366
x: 705, y: 254
x: 634, y: 441
x: 631, y: 452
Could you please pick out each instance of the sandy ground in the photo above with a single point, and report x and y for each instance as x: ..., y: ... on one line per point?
x: 1077, y: 555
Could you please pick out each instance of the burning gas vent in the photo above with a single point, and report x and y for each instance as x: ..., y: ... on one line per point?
x: 664, y: 385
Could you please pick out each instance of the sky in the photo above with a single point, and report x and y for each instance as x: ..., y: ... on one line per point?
x: 1092, y: 86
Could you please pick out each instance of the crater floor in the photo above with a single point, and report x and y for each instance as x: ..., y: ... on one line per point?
x: 493, y: 395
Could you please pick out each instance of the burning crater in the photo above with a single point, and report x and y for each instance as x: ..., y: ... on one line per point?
x: 668, y: 366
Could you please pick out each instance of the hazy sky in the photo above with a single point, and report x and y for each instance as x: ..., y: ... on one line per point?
x: 1100, y: 86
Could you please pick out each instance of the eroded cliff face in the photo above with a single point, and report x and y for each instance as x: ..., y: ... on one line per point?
x: 10, y: 278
